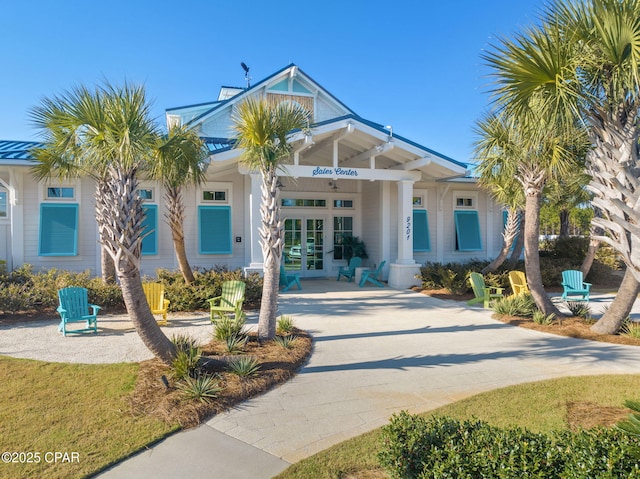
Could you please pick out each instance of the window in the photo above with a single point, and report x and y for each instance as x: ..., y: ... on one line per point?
x: 214, y: 196
x: 467, y: 231
x: 150, y: 229
x: 146, y: 194
x: 343, y: 203
x: 304, y: 203
x: 342, y: 225
x: 418, y: 201
x: 60, y: 192
x: 214, y: 224
x: 4, y: 208
x: 58, y: 230
x: 421, y: 239
x: 464, y: 202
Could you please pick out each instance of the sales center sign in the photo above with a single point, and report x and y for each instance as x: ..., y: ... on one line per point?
x: 334, y: 172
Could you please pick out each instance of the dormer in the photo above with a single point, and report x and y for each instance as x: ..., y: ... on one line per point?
x: 227, y: 92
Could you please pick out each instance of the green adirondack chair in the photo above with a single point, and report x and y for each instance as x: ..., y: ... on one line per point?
x: 372, y: 276
x: 288, y: 280
x: 350, y: 271
x: 230, y: 301
x: 574, y: 289
x: 74, y: 307
x: 483, y: 293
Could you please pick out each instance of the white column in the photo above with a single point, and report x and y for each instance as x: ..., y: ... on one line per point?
x: 16, y: 182
x: 257, y: 262
x: 405, y: 222
x: 402, y: 273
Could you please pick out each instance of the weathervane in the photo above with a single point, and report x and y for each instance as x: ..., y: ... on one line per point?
x: 246, y: 73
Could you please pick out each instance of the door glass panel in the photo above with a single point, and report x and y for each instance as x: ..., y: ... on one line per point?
x: 293, y: 244
x: 314, y: 244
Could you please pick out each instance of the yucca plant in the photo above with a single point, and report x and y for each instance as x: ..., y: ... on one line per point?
x: 579, y: 309
x: 244, y: 366
x: 227, y: 327
x: 630, y: 328
x: 236, y: 342
x: 521, y: 305
x: 186, y: 363
x: 285, y: 324
x: 286, y: 341
x: 631, y: 425
x: 203, y: 387
x: 540, y: 318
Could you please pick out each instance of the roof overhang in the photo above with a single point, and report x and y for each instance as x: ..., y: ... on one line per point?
x: 350, y: 147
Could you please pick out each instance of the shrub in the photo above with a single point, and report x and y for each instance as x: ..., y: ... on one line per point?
x: 203, y: 387
x: 285, y: 341
x: 521, y: 305
x: 244, y: 366
x: 236, y: 342
x: 540, y: 318
x: 441, y: 447
x: 630, y: 328
x: 187, y: 361
x: 285, y: 324
x: 579, y: 309
x: 228, y: 327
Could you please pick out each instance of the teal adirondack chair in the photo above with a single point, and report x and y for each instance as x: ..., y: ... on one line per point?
x: 74, y: 307
x: 483, y: 294
x: 574, y: 288
x: 372, y: 276
x: 350, y: 271
x: 288, y: 280
x: 230, y: 301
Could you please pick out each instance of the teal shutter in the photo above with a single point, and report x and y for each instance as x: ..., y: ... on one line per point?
x: 421, y: 239
x: 58, y: 230
x: 150, y: 229
x: 467, y: 231
x: 215, y: 229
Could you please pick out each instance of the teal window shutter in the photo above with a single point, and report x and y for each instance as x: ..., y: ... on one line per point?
x: 467, y: 231
x: 58, y: 230
x: 215, y: 229
x: 150, y: 229
x: 421, y: 239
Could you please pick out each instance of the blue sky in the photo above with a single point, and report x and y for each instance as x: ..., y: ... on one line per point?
x: 414, y: 65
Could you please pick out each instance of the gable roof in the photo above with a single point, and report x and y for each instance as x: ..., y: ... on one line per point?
x: 284, y: 72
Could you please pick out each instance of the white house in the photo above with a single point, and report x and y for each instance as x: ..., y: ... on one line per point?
x: 347, y: 175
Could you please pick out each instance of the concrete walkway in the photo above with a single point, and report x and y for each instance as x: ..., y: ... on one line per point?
x: 376, y: 352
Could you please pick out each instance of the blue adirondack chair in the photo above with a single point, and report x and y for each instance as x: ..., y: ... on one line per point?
x: 74, y: 307
x: 287, y: 280
x: 350, y: 271
x: 574, y: 288
x: 372, y: 276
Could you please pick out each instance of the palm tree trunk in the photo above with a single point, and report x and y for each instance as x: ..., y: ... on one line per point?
x: 107, y: 266
x: 519, y: 246
x: 531, y: 250
x: 142, y: 318
x: 620, y: 308
x: 592, y: 250
x: 271, y: 238
x: 120, y: 215
x: 564, y: 222
x: 510, y: 233
x: 175, y: 219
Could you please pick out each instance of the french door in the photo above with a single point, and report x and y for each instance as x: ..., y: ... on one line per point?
x: 304, y: 245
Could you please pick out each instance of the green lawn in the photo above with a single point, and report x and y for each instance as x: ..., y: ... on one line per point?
x: 81, y: 410
x: 539, y: 407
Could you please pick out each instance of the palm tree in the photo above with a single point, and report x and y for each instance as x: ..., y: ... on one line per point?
x: 495, y: 173
x: 583, y: 64
x: 533, y: 152
x: 107, y: 134
x: 179, y: 158
x: 261, y: 131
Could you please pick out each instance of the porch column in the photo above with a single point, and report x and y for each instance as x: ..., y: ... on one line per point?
x: 402, y: 272
x: 16, y: 189
x: 255, y: 197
